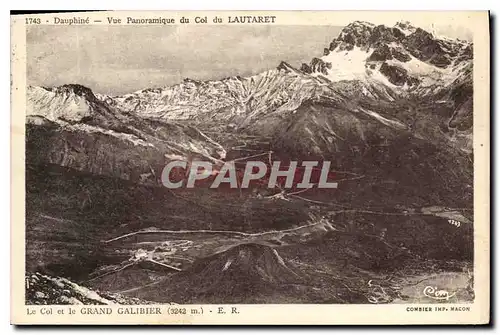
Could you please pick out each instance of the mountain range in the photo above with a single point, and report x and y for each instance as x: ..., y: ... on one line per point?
x: 390, y: 107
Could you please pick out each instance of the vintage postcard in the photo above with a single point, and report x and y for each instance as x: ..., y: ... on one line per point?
x: 232, y: 167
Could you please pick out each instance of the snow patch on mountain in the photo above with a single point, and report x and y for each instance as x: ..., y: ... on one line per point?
x: 347, y: 65
x: 384, y: 120
x: 136, y: 141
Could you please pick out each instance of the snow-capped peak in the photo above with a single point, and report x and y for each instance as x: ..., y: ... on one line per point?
x: 406, y: 27
x: 403, y: 55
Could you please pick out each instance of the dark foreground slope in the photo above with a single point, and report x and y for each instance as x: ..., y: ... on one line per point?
x: 45, y: 290
x: 272, y: 250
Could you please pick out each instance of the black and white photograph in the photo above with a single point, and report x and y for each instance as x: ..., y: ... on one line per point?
x: 249, y: 162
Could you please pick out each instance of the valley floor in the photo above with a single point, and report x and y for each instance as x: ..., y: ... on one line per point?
x: 158, y: 245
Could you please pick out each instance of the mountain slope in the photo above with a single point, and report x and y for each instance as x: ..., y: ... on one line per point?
x: 69, y: 126
x: 395, y: 68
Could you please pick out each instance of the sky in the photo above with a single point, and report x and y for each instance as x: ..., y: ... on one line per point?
x: 122, y: 59
x: 117, y: 60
